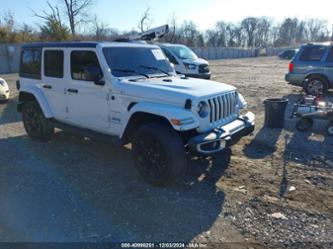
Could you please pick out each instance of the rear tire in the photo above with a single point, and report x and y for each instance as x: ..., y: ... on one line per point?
x: 36, y: 125
x: 316, y: 86
x: 159, y: 154
x: 304, y: 124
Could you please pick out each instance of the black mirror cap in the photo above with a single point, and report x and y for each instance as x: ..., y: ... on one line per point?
x: 188, y: 104
x: 93, y: 74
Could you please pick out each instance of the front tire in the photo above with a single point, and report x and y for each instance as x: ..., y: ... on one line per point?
x: 159, y: 154
x: 36, y: 125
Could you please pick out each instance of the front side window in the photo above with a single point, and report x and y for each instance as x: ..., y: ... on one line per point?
x: 31, y: 63
x: 129, y: 61
x: 81, y: 61
x: 171, y: 58
x: 54, y: 63
x: 313, y: 53
x: 184, y: 53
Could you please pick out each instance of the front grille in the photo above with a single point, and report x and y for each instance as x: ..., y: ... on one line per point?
x: 223, y: 107
x: 203, y: 68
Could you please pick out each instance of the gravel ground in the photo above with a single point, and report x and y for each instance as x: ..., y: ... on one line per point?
x: 272, y: 189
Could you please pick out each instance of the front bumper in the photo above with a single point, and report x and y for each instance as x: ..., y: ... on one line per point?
x: 222, y: 137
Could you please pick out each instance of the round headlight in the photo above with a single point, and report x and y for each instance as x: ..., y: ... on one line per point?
x: 203, y: 109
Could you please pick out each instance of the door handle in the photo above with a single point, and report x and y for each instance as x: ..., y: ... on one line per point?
x: 70, y: 90
x: 47, y: 86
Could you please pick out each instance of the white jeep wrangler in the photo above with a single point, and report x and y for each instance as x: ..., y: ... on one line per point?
x: 128, y: 92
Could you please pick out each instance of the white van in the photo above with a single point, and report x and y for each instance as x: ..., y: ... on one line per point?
x: 186, y: 62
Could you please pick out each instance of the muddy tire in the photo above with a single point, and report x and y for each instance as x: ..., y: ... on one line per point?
x: 159, y: 154
x: 329, y: 129
x: 316, y: 86
x: 304, y: 124
x: 36, y: 125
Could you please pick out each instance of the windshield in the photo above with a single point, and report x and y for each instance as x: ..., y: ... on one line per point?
x: 184, y: 52
x: 128, y: 61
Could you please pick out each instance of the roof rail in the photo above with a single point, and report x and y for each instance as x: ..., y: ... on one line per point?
x: 149, y: 35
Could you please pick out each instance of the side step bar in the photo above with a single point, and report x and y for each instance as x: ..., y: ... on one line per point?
x: 88, y: 133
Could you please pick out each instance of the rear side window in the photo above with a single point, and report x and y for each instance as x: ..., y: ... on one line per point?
x: 330, y: 56
x: 312, y: 54
x: 31, y: 63
x: 80, y: 60
x: 54, y: 63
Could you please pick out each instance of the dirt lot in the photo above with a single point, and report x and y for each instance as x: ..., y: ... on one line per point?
x: 74, y: 189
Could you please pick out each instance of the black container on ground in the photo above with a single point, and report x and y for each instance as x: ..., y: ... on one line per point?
x: 275, y: 110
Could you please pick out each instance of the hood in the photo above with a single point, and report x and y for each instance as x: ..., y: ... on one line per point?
x: 176, y: 91
x: 197, y: 61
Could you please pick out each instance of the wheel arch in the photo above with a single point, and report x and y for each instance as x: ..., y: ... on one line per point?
x: 138, y: 119
x: 140, y: 113
x: 317, y: 75
x: 34, y: 95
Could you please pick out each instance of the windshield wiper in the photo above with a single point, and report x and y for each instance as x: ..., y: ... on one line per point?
x: 155, y: 69
x: 124, y: 70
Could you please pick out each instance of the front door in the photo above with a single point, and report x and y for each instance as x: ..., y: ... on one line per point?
x: 88, y: 103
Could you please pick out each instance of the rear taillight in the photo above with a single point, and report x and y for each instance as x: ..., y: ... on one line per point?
x: 291, y: 67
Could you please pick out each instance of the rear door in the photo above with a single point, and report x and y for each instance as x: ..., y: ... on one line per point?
x: 329, y: 66
x: 311, y: 59
x: 54, y: 81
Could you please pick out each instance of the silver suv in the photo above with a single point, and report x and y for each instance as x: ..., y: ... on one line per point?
x: 312, y: 68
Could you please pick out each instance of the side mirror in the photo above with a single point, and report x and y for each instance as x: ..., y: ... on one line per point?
x: 94, y: 74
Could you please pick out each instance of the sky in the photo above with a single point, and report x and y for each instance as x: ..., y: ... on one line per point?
x: 125, y: 14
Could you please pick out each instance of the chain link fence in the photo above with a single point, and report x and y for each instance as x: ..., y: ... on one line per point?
x: 218, y: 53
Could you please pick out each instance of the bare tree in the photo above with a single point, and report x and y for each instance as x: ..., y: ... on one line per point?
x: 287, y: 32
x: 221, y: 29
x: 316, y: 29
x: 146, y: 20
x: 76, y: 12
x: 171, y: 36
x: 249, y: 25
x: 54, y: 15
x: 100, y: 29
x: 53, y: 29
x: 263, y: 31
x: 6, y: 26
x: 231, y: 33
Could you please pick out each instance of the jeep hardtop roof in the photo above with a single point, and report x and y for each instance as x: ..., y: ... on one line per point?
x: 86, y: 45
